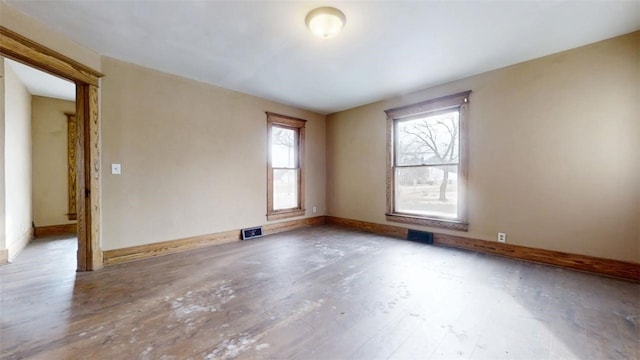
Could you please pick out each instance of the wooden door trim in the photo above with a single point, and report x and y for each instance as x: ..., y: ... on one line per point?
x: 72, y: 131
x: 17, y: 47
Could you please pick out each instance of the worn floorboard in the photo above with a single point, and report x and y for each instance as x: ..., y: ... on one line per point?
x: 318, y: 293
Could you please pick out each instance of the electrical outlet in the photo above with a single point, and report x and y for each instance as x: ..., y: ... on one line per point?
x: 502, y: 237
x: 314, y: 209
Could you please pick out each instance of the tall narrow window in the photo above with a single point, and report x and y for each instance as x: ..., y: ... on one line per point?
x: 427, y: 162
x: 285, y: 175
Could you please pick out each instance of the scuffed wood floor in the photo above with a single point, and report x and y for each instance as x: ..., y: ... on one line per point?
x: 317, y: 293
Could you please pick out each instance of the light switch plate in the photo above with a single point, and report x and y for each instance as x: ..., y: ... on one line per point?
x: 116, y: 169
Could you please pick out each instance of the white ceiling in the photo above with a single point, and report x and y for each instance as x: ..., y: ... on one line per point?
x: 42, y: 84
x: 386, y: 49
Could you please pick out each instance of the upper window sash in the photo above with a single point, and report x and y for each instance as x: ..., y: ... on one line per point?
x: 290, y: 161
x: 430, y: 151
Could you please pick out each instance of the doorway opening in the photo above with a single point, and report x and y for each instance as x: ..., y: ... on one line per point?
x: 87, y: 152
x: 40, y: 151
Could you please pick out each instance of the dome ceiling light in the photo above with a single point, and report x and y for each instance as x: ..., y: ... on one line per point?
x: 325, y: 22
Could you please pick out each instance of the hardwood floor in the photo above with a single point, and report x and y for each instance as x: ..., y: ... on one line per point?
x: 318, y: 293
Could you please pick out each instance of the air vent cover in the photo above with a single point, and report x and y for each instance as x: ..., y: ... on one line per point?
x: 250, y: 233
x: 420, y: 236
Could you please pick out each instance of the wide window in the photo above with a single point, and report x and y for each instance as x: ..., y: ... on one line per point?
x: 427, y: 162
x: 285, y: 176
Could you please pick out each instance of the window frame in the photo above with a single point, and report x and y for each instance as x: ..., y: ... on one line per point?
x: 298, y: 125
x: 458, y: 101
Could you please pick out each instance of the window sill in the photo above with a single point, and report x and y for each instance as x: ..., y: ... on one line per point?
x: 284, y: 214
x: 439, y: 223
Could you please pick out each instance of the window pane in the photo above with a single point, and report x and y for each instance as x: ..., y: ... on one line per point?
x: 285, y: 189
x: 430, y: 140
x: 283, y: 148
x: 427, y: 190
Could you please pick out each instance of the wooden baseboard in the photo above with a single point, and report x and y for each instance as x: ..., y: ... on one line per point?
x: 4, y: 256
x: 139, y: 252
x: 63, y: 229
x: 607, y: 267
x: 382, y: 229
x: 118, y: 256
x: 292, y: 224
x: 602, y: 266
x: 16, y: 247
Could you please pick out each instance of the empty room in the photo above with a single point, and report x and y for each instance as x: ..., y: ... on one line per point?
x: 319, y: 180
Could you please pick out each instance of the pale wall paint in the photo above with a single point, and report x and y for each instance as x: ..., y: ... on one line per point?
x: 3, y: 215
x: 30, y: 28
x: 193, y: 157
x: 554, y: 152
x: 49, y: 160
x: 17, y: 163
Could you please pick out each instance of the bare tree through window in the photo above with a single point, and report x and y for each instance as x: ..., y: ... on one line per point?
x: 429, y: 141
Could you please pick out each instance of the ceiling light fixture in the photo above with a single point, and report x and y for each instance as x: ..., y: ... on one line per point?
x: 325, y: 22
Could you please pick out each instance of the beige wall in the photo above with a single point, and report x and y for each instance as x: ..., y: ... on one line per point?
x: 554, y: 152
x: 49, y: 161
x: 3, y: 215
x: 193, y: 157
x: 17, y: 163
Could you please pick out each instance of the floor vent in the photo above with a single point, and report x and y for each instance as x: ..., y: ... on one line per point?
x: 420, y: 236
x: 250, y: 233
